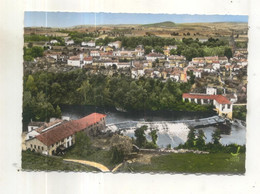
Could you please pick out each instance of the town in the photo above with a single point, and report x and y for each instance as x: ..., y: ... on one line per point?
x: 184, y: 71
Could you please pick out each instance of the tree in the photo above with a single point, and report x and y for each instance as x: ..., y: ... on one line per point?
x: 158, y: 49
x: 154, y: 136
x: 140, y: 136
x: 200, y: 141
x: 82, y: 145
x: 147, y: 49
x: 30, y: 84
x: 191, y: 138
x: 58, y: 111
x: 216, y: 136
x: 173, y: 52
x: 228, y: 53
x: 84, y: 90
x: 120, y: 147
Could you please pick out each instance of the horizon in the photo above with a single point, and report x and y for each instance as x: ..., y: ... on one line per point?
x: 72, y: 19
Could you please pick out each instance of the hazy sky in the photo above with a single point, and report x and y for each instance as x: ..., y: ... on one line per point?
x: 68, y: 19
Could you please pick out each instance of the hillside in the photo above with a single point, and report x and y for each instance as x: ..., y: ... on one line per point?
x: 166, y: 24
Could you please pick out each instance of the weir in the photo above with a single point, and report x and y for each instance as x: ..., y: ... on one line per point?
x: 195, y: 123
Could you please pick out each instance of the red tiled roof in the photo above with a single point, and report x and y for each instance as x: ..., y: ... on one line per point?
x: 219, y: 98
x: 88, y: 58
x: 68, y: 128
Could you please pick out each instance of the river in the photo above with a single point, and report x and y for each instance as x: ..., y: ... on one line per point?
x: 168, y: 133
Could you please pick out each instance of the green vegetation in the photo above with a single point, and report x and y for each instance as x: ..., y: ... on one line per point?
x: 161, y: 24
x: 120, y: 148
x: 98, y: 155
x: 198, y: 143
x: 33, y: 52
x: 35, y: 161
x: 44, y: 91
x: 83, y: 146
x: 239, y: 112
x: 191, y: 163
x: 141, y: 140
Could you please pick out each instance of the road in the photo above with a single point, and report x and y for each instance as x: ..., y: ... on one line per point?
x: 90, y: 163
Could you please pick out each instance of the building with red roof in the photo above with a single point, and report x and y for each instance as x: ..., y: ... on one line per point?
x: 62, y: 135
x: 222, y: 104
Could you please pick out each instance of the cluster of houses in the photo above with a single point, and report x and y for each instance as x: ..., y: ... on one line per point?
x: 154, y: 65
x: 59, y: 134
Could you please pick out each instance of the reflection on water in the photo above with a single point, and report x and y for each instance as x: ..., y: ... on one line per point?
x: 168, y: 133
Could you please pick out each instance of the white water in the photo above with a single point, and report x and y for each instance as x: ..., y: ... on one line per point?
x: 176, y: 133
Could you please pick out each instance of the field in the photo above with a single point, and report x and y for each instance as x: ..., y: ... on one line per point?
x: 164, y: 29
x: 218, y: 163
x: 33, y: 161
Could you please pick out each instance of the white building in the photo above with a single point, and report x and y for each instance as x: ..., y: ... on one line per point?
x: 69, y: 42
x: 94, y: 54
x: 90, y: 43
x: 53, y: 41
x: 74, y: 61
x: 211, y: 91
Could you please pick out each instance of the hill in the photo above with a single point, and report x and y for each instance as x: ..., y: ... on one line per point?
x: 166, y: 24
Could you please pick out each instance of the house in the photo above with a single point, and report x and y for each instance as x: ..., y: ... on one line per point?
x: 222, y: 105
x: 69, y: 42
x: 87, y: 60
x: 116, y: 44
x: 211, y: 91
x: 94, y: 54
x: 90, y: 43
x: 60, y: 135
x: 154, y: 56
x: 74, y: 61
x: 53, y: 41
x: 209, y: 68
x: 54, y: 55
x: 122, y: 65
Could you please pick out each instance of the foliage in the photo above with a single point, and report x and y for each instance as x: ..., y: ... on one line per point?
x: 83, y: 145
x: 140, y: 136
x: 33, y: 52
x: 120, y: 147
x: 191, y: 138
x: 216, y: 136
x: 200, y: 141
x: 154, y: 136
x: 239, y: 112
x: 215, y: 147
x: 44, y: 89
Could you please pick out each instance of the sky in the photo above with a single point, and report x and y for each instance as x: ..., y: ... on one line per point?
x: 69, y: 19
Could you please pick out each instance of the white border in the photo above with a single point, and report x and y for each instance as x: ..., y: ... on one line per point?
x: 11, y: 44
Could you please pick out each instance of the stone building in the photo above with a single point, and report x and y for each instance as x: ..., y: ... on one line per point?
x: 60, y: 134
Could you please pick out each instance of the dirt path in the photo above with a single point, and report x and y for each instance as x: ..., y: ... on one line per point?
x: 90, y: 163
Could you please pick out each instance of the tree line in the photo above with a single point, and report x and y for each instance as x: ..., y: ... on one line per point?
x: 197, y: 142
x: 44, y: 91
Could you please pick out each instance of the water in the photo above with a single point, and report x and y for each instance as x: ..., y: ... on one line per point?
x: 168, y: 132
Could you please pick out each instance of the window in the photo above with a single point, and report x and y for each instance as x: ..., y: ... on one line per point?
x: 38, y: 147
x: 35, y: 146
x: 31, y: 145
x: 228, y: 106
x: 42, y: 147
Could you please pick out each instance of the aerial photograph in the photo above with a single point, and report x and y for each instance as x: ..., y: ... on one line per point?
x: 134, y: 93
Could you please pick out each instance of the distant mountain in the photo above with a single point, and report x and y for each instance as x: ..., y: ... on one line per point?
x: 166, y: 24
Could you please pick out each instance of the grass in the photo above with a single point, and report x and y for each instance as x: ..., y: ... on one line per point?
x: 34, y: 161
x: 218, y: 163
x: 98, y: 155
